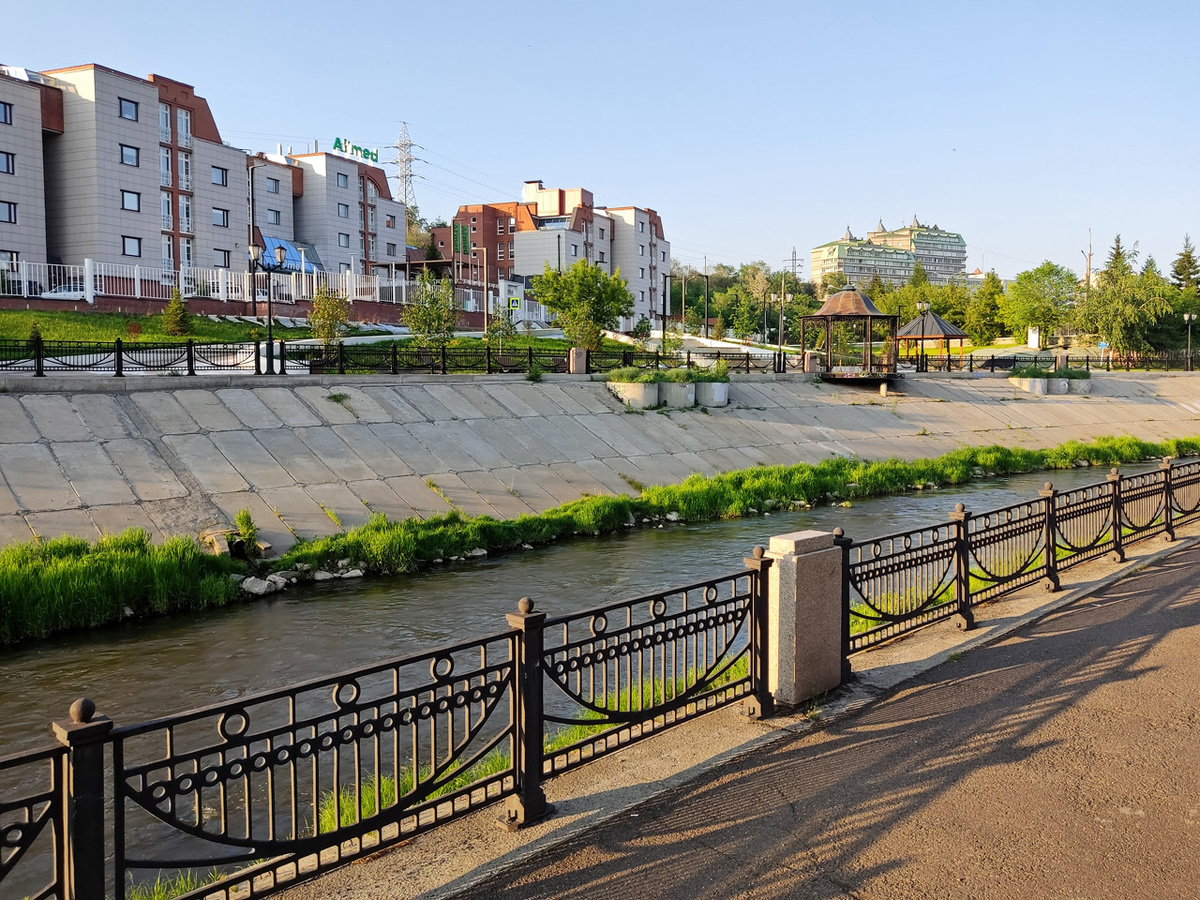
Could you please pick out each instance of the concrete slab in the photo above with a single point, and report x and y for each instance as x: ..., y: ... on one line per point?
x: 371, y: 449
x: 430, y: 407
x: 449, y: 396
x: 91, y: 473
x: 287, y: 407
x: 295, y: 456
x: 14, y: 530
x: 481, y: 401
x: 568, y: 402
x: 336, y: 455
x: 55, y: 417
x: 507, y: 504
x: 15, y: 425
x: 252, y: 460
x: 206, y: 464
x: 103, y: 417
x: 435, y: 441
x: 533, y: 396
x: 503, y: 395
x: 607, y: 476
x: 609, y: 429
x: 550, y: 482
x: 328, y: 411
x: 8, y: 503
x: 343, y: 502
x: 209, y: 412
x: 419, y: 496
x: 33, y: 475
x: 584, y: 482
x: 527, y: 488
x: 249, y: 409
x: 397, y: 407
x: 377, y: 496
x: 461, y: 496
x: 73, y: 522
x: 476, y: 447
x: 166, y: 414
x: 115, y: 519
x: 415, y: 455
x: 511, y: 451
x: 364, y: 408
x: 144, y: 469
x: 270, y: 528
x: 300, y: 512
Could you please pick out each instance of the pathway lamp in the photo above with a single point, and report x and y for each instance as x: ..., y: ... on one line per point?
x: 922, y: 308
x: 257, y: 264
x: 1189, y: 318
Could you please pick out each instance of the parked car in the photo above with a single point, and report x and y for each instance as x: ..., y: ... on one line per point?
x: 68, y: 290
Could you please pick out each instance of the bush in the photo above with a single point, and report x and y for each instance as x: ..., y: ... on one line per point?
x: 177, y: 320
x: 1072, y: 374
x: 634, y: 375
x: 715, y: 373
x: 330, y: 315
x: 1031, y: 371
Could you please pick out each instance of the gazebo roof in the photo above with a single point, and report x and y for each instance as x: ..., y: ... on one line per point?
x: 931, y: 325
x: 849, y: 303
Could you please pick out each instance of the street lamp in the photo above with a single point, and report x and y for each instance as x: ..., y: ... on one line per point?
x: 922, y: 308
x: 782, y: 298
x: 257, y: 264
x: 1189, y: 318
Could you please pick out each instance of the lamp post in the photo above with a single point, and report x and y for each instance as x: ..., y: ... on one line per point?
x: 257, y: 264
x: 706, y: 305
x: 1189, y: 318
x: 922, y: 308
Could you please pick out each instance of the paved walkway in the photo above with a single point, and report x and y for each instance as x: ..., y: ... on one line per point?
x: 309, y: 456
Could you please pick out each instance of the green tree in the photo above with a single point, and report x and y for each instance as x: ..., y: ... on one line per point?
x: 431, y: 315
x: 176, y: 319
x: 330, y: 315
x: 501, y: 328
x: 718, y: 329
x: 1125, y: 309
x: 746, y: 315
x: 1038, y: 298
x: 919, y: 275
x: 982, y: 321
x: 831, y: 283
x: 586, y: 299
x: 693, y: 322
x: 641, y: 331
x: 1120, y: 263
x: 1185, y: 271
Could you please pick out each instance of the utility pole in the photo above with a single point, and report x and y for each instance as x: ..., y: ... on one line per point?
x: 1087, y: 278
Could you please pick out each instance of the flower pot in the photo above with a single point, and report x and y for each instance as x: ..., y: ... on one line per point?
x: 1058, y: 385
x: 1031, y: 385
x: 1080, y: 386
x: 677, y: 396
x: 712, y: 393
x: 639, y: 395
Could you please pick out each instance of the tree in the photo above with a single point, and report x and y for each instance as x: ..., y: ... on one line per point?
x: 1119, y: 264
x: 431, y: 315
x: 329, y: 316
x: 1125, y: 308
x: 718, y: 329
x: 501, y: 328
x: 1038, y: 298
x: 831, y: 283
x: 586, y: 299
x: 176, y: 319
x: 745, y: 315
x: 641, y: 331
x: 982, y: 321
x: 919, y: 275
x: 1185, y: 271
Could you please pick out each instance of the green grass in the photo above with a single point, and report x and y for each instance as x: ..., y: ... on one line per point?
x: 172, y: 886
x: 73, y: 326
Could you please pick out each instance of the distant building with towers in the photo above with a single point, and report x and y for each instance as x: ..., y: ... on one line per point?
x: 892, y: 254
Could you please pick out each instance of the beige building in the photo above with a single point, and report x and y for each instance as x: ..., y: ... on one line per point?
x: 28, y: 114
x: 892, y: 255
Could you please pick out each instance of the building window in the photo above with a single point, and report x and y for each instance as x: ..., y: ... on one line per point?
x: 131, y: 200
x: 128, y: 109
x: 601, y: 256
x: 373, y: 247
x: 641, y: 249
x: 130, y: 156
x: 642, y: 272
x: 391, y: 249
x: 272, y: 185
x: 390, y: 221
x: 8, y: 164
x: 343, y: 240
x: 343, y: 180
x: 511, y: 255
x: 343, y: 210
x: 663, y: 256
x: 472, y: 229
x: 8, y: 212
x: 574, y: 249
x: 221, y: 259
x: 601, y: 234
x: 168, y: 252
x: 642, y: 227
x: 221, y: 217
x: 6, y: 114
x: 168, y: 220
x: 185, y: 253
x: 164, y: 123
x: 273, y: 217
x: 499, y: 250
x: 131, y: 246
x: 499, y: 226
x: 220, y: 176
x: 642, y: 296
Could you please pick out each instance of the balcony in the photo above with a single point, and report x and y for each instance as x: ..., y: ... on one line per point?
x: 185, y: 182
x: 185, y: 226
x: 164, y: 134
x: 185, y: 139
x: 164, y: 177
x: 168, y: 222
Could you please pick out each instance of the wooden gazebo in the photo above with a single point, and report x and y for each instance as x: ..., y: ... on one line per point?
x: 926, y: 327
x: 856, y: 340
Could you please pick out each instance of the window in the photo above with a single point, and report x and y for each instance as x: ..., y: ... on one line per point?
x: 6, y: 114
x: 601, y: 234
x: 641, y: 249
x: 8, y: 164
x: 511, y: 255
x: 391, y: 249
x: 168, y: 252
x: 343, y: 210
x: 221, y: 217
x: 499, y: 249
x: 574, y: 249
x: 664, y: 256
x: 168, y: 220
x: 390, y: 221
x: 185, y: 253
x: 472, y: 229
x: 642, y: 296
x: 642, y: 272
x: 273, y: 217
x: 343, y: 180
x: 499, y: 226
x: 373, y: 247
x: 220, y: 176
x: 130, y: 156
x: 164, y: 123
x: 127, y: 109
x: 272, y: 185
x: 131, y: 200
x: 221, y: 259
x: 131, y: 246
x: 164, y: 166
x: 8, y: 212
x: 642, y: 227
x: 601, y: 256
x: 343, y: 240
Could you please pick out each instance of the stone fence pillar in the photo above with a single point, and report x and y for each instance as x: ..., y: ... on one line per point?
x: 577, y: 361
x: 804, y: 610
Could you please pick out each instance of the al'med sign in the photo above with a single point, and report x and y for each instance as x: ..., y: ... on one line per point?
x: 341, y: 145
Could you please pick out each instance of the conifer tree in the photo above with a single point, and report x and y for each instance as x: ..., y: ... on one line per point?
x: 1185, y: 271
x: 176, y: 319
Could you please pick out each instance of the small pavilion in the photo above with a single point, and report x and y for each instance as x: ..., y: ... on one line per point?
x: 856, y: 340
x: 926, y: 327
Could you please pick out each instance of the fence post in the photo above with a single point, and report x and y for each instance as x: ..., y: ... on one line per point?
x: 341, y: 357
x: 840, y: 540
x: 487, y: 360
x: 282, y: 369
x: 83, y: 734
x: 1118, y: 550
x: 117, y: 351
x: 191, y: 357
x: 761, y: 703
x: 257, y: 358
x: 1049, y: 496
x: 992, y: 364
x: 443, y: 357
x: 395, y: 360
x: 587, y: 361
x: 964, y: 618
x: 39, y: 358
x: 529, y: 803
x: 89, y: 282
x: 626, y: 358
x: 529, y: 366
x: 1168, y: 494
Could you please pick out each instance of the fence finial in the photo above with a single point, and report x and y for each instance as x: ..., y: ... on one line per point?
x: 525, y: 606
x: 758, y: 552
x: 82, y: 710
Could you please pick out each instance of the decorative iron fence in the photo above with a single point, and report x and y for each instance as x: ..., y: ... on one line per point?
x: 901, y: 582
x: 244, y: 798
x: 607, y: 360
x: 1173, y: 360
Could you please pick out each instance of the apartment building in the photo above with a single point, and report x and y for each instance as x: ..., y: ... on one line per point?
x: 28, y: 113
x: 942, y: 253
x: 892, y: 255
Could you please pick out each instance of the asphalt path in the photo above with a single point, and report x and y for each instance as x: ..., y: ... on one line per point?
x: 1060, y: 762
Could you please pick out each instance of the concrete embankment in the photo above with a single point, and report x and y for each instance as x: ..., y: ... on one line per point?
x: 309, y: 456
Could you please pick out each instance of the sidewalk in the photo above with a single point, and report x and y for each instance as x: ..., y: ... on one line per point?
x: 1058, y: 759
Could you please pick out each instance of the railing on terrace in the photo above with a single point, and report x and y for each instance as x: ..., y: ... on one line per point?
x: 254, y: 795
x: 902, y: 581
x: 393, y: 359
x: 607, y: 360
x: 1173, y: 360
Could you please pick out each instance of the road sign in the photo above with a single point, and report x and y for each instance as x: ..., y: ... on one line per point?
x: 1103, y: 345
x: 514, y: 302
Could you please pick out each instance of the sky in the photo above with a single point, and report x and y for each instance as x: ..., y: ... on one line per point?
x: 751, y: 128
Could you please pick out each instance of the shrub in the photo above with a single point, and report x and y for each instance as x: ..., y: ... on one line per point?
x: 1072, y: 374
x: 714, y: 373
x: 177, y: 320
x: 330, y: 315
x: 634, y: 375
x: 1031, y: 371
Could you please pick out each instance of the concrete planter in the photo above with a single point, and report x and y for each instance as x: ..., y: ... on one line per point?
x: 677, y: 396
x: 1079, y: 386
x: 1058, y: 385
x: 712, y: 393
x: 1038, y: 386
x: 638, y: 395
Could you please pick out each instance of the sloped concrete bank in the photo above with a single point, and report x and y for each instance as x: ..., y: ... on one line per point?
x: 309, y: 456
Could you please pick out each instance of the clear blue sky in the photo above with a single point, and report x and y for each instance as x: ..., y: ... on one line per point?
x: 752, y: 128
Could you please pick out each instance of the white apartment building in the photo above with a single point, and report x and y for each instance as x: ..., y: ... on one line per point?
x: 643, y: 255
x: 22, y: 180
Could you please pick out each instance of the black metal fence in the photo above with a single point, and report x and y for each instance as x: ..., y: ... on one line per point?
x: 745, y: 362
x: 250, y: 796
x: 903, y: 581
x: 1167, y: 361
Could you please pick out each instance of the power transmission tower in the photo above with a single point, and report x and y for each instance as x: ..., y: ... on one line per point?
x: 404, y: 161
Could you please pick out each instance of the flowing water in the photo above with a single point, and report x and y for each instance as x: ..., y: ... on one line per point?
x: 146, y: 669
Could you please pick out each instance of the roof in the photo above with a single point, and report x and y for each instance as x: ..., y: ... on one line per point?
x: 849, y: 303
x: 931, y: 325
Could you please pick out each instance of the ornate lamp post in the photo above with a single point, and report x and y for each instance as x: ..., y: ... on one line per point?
x: 922, y: 308
x: 257, y: 264
x: 1189, y: 318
